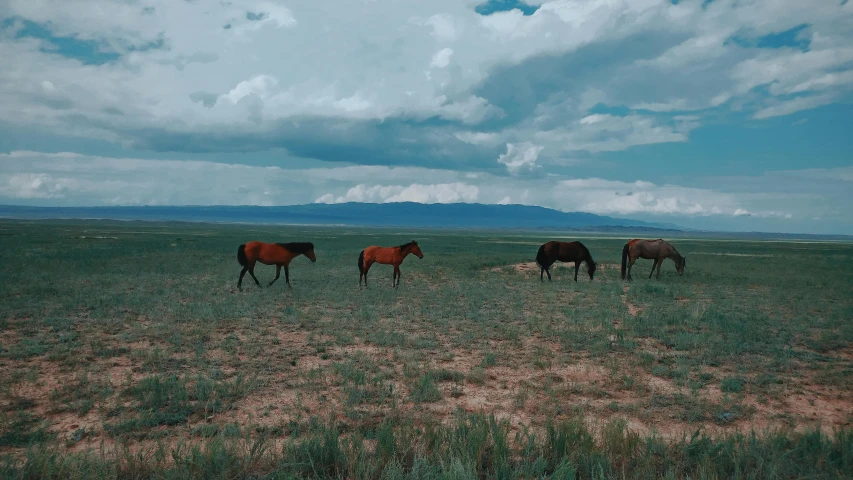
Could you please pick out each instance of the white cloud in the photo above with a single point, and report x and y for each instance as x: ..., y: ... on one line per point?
x: 441, y: 58
x: 620, y: 198
x: 791, y: 106
x: 444, y: 28
x: 260, y: 85
x: 740, y: 212
x: 73, y: 179
x: 31, y: 185
x: 479, y: 138
x: 244, y: 70
x: 437, y: 193
x: 520, y: 157
x: 605, y: 132
x: 365, y: 61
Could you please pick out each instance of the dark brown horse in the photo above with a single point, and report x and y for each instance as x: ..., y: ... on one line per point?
x: 657, y: 250
x: 278, y: 254
x: 565, y: 252
x: 388, y: 256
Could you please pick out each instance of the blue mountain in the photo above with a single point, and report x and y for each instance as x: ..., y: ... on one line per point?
x: 403, y: 214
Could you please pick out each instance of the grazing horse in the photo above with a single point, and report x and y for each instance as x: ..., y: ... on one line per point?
x: 565, y: 252
x: 278, y: 254
x: 388, y: 256
x: 657, y: 250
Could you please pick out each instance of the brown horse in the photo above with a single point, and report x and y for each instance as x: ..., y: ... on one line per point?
x: 657, y: 250
x: 565, y: 252
x: 278, y: 254
x: 388, y: 256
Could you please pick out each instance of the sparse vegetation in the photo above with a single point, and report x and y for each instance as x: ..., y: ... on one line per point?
x: 118, y: 333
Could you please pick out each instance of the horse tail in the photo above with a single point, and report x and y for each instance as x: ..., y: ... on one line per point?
x: 625, y: 258
x: 541, y: 258
x: 361, y: 262
x: 241, y: 255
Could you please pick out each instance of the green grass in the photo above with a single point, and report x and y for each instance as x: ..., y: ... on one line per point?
x: 472, y: 446
x: 144, y: 338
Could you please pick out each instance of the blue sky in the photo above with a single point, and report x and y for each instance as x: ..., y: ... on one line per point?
x: 715, y: 114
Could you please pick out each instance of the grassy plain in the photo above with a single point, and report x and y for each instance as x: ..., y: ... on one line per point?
x: 127, y: 351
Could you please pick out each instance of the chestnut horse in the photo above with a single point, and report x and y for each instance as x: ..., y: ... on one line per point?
x: 388, y: 256
x: 657, y: 250
x: 278, y: 254
x: 565, y: 252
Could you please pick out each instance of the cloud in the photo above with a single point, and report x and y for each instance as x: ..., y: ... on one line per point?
x: 72, y: 179
x: 740, y: 212
x: 174, y: 58
x: 438, y: 193
x: 606, y: 132
x: 777, y: 109
x: 260, y: 85
x: 441, y: 58
x: 445, y: 87
x: 521, y: 157
x: 623, y: 198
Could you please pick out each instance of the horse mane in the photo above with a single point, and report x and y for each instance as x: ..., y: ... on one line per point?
x: 297, y: 247
x: 407, y: 245
x: 590, y: 262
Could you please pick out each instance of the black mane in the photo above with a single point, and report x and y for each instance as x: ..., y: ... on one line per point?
x: 297, y: 247
x: 406, y: 245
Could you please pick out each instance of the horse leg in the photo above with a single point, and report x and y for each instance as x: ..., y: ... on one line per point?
x: 630, y: 264
x: 366, y: 268
x: 548, y: 271
x: 653, y: 268
x: 658, y: 274
x: 240, y: 280
x: 577, y: 267
x: 396, y: 278
x: 252, y: 273
x: 287, y: 276
x: 541, y: 273
x: 277, y: 274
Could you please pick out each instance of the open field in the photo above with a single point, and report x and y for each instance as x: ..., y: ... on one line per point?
x: 131, y: 340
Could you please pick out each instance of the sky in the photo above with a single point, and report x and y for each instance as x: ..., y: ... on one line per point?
x: 714, y: 114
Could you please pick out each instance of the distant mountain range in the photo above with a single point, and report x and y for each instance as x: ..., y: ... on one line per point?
x: 403, y: 214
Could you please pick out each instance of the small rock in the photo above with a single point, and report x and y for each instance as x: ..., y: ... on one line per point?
x: 726, y: 417
x: 78, y: 435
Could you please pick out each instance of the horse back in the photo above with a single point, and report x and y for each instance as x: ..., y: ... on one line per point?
x: 649, y: 249
x: 385, y: 255
x: 268, y: 253
x: 565, y: 251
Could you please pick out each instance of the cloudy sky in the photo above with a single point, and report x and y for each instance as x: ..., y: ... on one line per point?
x: 722, y: 114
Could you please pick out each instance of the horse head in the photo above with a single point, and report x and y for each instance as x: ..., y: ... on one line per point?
x: 590, y: 268
x: 679, y: 267
x: 416, y: 250
x: 310, y: 254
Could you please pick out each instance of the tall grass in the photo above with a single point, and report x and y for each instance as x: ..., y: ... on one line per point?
x: 473, y: 446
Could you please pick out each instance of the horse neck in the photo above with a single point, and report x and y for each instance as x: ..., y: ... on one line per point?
x: 673, y: 253
x: 405, y: 251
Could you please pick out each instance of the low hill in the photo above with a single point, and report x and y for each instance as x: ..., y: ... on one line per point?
x: 403, y: 214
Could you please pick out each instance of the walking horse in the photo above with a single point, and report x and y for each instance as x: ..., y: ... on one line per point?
x: 387, y: 256
x: 278, y: 254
